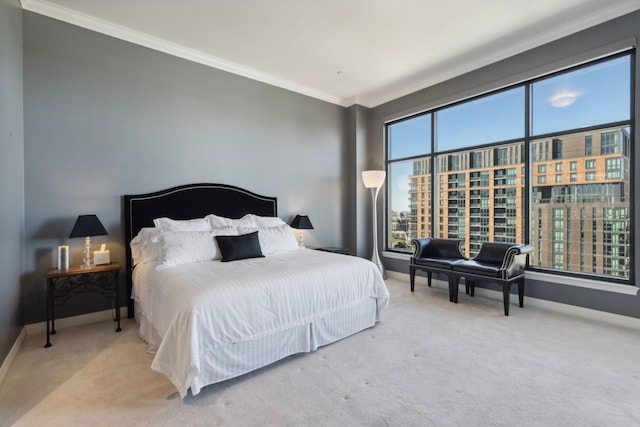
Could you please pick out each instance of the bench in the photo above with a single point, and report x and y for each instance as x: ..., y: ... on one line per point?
x: 496, y: 262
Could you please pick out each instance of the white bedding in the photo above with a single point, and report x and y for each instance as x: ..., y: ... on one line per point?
x: 262, y: 309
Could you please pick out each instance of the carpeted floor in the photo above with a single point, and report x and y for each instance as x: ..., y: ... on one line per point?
x: 428, y: 363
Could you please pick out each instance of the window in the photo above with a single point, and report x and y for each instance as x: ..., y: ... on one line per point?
x: 579, y: 119
x: 614, y: 168
x: 610, y: 143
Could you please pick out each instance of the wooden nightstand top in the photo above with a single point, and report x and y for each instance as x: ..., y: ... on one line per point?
x: 76, y: 269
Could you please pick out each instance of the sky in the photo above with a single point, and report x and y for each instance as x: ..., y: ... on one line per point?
x: 588, y: 96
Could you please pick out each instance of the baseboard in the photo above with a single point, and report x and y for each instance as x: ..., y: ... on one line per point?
x: 597, y: 315
x: 8, y: 361
x: 68, y: 322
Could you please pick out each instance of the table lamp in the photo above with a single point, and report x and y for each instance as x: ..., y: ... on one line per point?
x: 87, y: 226
x: 301, y: 222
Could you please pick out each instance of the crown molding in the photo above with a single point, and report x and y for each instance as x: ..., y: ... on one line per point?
x: 369, y: 100
x: 79, y: 19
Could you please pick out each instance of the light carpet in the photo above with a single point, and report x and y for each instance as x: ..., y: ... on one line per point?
x: 428, y: 363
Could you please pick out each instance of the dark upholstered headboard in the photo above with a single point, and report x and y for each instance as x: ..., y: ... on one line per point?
x: 187, y: 202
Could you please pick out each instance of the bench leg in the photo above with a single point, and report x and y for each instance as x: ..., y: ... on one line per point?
x: 453, y: 289
x: 471, y: 286
x: 521, y: 292
x: 506, y: 294
x: 412, y: 276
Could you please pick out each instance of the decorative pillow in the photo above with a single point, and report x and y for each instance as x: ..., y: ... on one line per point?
x: 184, y: 247
x: 223, y: 231
x: 235, y: 248
x: 168, y: 224
x: 274, y: 240
x: 143, y: 247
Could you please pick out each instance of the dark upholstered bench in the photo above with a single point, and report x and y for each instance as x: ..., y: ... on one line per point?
x: 435, y: 255
x: 497, y: 262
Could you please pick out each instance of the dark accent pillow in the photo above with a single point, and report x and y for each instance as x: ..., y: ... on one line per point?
x: 244, y: 246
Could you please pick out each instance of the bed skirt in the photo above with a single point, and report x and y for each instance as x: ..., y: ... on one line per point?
x: 231, y: 360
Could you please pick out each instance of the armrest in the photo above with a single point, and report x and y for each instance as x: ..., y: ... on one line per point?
x: 515, y: 260
x: 420, y: 246
x: 428, y: 247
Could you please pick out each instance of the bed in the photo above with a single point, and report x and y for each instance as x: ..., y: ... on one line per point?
x: 211, y: 320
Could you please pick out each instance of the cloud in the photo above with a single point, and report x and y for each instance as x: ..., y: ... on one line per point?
x: 563, y: 98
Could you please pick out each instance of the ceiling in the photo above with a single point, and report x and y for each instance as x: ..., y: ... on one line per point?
x: 342, y: 51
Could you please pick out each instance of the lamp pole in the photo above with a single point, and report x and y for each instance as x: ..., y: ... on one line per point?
x: 375, y: 257
x: 373, y: 180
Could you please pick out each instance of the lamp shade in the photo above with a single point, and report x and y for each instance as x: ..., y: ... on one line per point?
x: 88, y: 225
x: 301, y: 222
x: 373, y: 179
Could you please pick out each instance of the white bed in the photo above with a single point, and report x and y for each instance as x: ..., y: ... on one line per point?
x: 220, y: 320
x: 210, y: 321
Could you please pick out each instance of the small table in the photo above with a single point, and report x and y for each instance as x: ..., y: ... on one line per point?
x: 63, y: 284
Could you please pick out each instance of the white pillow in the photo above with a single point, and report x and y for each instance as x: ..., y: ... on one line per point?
x: 185, y: 247
x: 168, y: 224
x: 221, y: 221
x: 143, y: 247
x: 245, y: 221
x: 218, y: 221
x: 274, y: 240
x: 267, y: 221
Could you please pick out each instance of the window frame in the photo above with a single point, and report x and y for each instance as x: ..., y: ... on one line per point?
x: 528, y: 183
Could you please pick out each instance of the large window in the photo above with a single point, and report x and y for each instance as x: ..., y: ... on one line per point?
x: 475, y: 171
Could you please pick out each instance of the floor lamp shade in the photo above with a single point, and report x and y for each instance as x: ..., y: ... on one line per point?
x: 373, y: 180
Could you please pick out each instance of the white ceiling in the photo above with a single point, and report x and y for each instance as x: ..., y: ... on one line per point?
x: 342, y: 51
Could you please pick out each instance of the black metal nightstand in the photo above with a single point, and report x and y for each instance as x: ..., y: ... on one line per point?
x: 63, y: 284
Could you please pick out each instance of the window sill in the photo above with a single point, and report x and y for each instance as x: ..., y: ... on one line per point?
x: 582, y: 283
x: 396, y: 255
x: 553, y: 278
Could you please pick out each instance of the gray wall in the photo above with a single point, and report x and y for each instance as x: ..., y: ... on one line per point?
x: 104, y: 118
x: 11, y: 174
x: 582, y: 46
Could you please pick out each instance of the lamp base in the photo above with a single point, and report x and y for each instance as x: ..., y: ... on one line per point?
x: 376, y: 260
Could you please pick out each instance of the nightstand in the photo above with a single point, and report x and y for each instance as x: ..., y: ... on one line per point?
x: 63, y: 284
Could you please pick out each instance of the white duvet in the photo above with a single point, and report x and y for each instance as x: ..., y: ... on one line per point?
x: 201, y: 307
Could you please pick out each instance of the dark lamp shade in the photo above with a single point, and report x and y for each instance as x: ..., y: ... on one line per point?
x: 86, y: 226
x: 301, y: 222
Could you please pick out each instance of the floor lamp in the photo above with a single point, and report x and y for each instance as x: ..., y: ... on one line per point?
x: 373, y: 180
